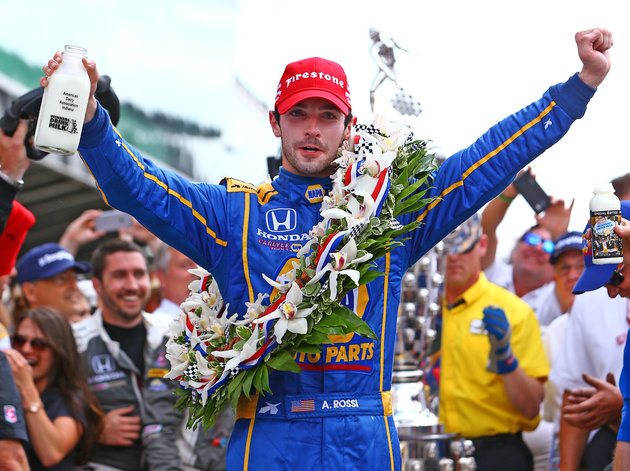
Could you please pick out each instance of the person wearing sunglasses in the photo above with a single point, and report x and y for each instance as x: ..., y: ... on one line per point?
x: 529, y: 267
x: 565, y: 258
x: 62, y: 415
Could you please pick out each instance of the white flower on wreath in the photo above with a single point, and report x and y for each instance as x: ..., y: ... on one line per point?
x: 356, y: 212
x: 254, y: 309
x: 236, y: 357
x: 284, y: 281
x: 289, y: 316
x: 177, y: 355
x: 207, y: 377
x: 339, y: 264
x: 337, y: 195
x: 195, y: 285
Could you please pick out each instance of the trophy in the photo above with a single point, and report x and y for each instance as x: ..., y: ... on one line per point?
x: 382, y: 51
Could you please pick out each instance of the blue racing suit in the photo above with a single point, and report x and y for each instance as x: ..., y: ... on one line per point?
x: 336, y: 414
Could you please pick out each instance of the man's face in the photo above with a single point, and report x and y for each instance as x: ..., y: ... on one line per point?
x: 175, y: 282
x: 124, y: 288
x: 531, y: 260
x: 462, y: 269
x: 623, y: 288
x: 311, y: 133
x: 59, y: 292
x: 567, y: 270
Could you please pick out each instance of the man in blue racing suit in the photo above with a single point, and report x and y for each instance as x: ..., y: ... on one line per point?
x: 336, y: 414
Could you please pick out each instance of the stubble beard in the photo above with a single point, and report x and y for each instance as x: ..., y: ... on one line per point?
x: 322, y: 166
x: 114, y: 309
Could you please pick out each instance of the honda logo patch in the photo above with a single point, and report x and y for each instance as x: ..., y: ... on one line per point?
x: 281, y: 220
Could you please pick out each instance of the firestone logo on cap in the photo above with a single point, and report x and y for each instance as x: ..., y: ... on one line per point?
x: 313, y: 78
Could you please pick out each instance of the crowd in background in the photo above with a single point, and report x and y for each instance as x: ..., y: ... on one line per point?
x: 86, y: 348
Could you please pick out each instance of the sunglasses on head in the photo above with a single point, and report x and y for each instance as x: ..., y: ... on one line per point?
x: 37, y: 343
x: 617, y: 277
x: 533, y: 239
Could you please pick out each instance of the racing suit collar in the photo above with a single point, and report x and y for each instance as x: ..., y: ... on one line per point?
x: 308, y: 190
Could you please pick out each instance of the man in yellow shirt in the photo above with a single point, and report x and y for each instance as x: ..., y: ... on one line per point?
x: 492, y: 372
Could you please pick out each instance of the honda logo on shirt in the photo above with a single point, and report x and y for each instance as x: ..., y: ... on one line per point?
x: 281, y: 220
x: 102, y: 364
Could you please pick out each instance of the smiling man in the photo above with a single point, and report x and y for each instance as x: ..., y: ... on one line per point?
x: 242, y: 233
x: 48, y: 277
x: 122, y: 351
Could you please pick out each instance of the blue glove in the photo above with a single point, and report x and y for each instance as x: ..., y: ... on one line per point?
x: 501, y: 359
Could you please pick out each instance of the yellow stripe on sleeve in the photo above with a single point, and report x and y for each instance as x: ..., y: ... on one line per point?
x: 487, y: 157
x: 169, y: 191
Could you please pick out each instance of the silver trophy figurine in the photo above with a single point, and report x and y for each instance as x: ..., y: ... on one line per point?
x: 382, y: 51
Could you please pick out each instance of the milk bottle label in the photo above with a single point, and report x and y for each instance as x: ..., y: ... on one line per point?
x: 62, y: 113
x: 605, y: 242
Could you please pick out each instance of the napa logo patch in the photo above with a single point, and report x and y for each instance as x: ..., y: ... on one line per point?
x: 314, y: 194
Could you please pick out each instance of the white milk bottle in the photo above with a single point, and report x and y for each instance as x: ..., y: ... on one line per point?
x: 605, y: 214
x: 63, y: 105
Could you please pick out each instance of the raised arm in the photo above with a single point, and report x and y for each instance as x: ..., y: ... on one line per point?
x: 473, y: 176
x: 593, y: 46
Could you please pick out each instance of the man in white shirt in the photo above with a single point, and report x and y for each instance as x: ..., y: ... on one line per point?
x: 555, y: 298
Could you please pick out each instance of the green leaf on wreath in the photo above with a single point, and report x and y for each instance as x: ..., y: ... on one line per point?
x: 247, y: 382
x: 311, y: 290
x: 243, y: 332
x: 409, y: 190
x: 258, y: 377
x: 329, y: 329
x: 308, y: 348
x: 283, y: 361
x: 358, y: 325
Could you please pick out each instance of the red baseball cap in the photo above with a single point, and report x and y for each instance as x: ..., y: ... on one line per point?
x: 313, y: 77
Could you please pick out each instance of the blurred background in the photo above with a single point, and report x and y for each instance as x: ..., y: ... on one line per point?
x: 196, y: 80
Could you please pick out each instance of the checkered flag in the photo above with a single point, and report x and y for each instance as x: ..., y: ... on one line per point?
x: 369, y: 128
x: 412, y: 146
x: 394, y: 224
x: 192, y: 372
x: 364, y: 146
x: 355, y: 231
x: 405, y: 104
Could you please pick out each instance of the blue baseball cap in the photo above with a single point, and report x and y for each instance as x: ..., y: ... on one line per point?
x: 595, y: 276
x: 567, y: 241
x: 46, y: 261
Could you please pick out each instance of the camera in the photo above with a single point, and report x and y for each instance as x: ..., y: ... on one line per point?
x: 27, y: 107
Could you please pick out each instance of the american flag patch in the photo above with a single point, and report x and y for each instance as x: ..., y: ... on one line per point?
x: 303, y: 405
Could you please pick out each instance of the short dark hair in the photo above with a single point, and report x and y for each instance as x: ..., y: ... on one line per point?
x: 347, y: 120
x: 109, y: 247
